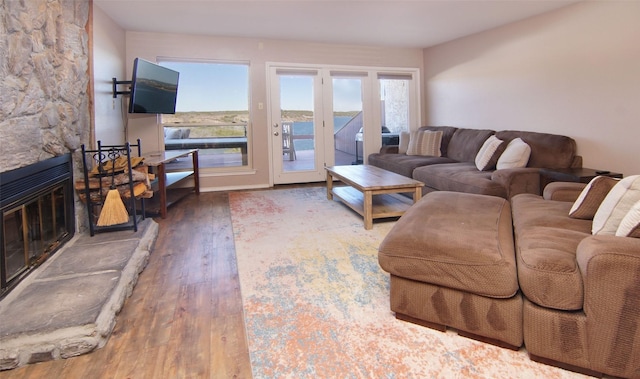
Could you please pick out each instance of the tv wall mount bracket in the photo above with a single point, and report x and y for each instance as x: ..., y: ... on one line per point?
x: 115, y: 87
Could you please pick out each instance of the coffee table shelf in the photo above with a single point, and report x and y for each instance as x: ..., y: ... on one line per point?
x: 383, y: 206
x: 371, y: 191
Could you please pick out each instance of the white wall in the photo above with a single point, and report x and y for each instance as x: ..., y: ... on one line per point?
x: 257, y: 52
x: 108, y: 62
x: 574, y: 71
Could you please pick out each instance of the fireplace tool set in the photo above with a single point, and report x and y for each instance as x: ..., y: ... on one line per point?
x: 114, y: 176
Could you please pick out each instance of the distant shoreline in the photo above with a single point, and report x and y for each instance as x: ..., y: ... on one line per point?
x: 236, y: 117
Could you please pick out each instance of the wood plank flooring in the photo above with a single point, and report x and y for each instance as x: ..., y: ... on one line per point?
x: 184, y: 318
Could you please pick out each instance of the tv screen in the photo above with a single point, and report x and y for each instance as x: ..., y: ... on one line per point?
x: 154, y: 88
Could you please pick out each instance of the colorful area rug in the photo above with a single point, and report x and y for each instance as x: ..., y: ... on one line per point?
x: 316, y: 302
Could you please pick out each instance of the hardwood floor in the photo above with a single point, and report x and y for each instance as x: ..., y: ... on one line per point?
x: 184, y: 318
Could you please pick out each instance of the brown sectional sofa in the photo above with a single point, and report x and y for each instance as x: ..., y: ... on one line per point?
x: 572, y: 298
x: 455, y: 169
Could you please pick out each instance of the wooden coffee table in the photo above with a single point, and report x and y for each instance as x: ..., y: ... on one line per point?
x: 363, y: 182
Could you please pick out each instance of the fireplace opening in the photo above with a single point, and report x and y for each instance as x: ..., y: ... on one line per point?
x: 37, y: 209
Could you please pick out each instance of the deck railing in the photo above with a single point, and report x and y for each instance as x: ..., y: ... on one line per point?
x: 345, y: 138
x: 208, y: 130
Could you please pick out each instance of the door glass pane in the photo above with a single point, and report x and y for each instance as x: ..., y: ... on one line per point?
x: 297, y: 120
x: 347, y: 120
x: 212, y: 113
x: 394, y: 97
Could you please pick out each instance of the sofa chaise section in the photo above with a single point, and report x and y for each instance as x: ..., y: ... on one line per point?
x: 452, y: 264
x: 570, y: 296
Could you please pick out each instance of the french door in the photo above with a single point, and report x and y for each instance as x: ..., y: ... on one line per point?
x: 325, y: 116
x: 296, y: 121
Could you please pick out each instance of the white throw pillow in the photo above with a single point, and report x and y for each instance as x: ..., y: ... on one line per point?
x: 516, y: 155
x: 488, y: 154
x: 616, y: 205
x: 172, y: 133
x: 425, y: 142
x: 404, y: 142
x: 587, y: 204
x: 630, y: 224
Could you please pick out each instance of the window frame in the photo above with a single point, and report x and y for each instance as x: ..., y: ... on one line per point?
x: 249, y: 123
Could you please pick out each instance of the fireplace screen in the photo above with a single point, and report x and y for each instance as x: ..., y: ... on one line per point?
x: 37, y: 217
x: 33, y: 230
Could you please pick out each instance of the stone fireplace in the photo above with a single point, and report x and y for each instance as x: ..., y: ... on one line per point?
x: 67, y: 305
x: 44, y: 115
x: 36, y: 203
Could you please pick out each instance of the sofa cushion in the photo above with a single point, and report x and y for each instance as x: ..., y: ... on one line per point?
x: 489, y: 153
x: 403, y: 142
x: 546, y: 240
x: 547, y: 150
x: 630, y: 224
x: 425, y: 142
x: 459, y: 177
x: 465, y: 144
x: 457, y: 240
x: 516, y: 155
x: 404, y: 164
x: 447, y: 133
x: 591, y: 197
x: 172, y: 133
x: 616, y: 205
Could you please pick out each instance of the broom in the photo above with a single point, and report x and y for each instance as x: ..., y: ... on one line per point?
x: 113, y: 210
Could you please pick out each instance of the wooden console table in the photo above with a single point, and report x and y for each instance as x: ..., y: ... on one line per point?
x: 165, y: 179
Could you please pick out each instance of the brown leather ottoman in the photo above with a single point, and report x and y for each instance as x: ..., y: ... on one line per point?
x: 452, y: 264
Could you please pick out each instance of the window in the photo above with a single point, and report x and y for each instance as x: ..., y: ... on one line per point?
x: 394, y: 97
x: 212, y: 112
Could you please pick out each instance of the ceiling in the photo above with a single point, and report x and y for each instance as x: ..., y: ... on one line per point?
x: 416, y: 23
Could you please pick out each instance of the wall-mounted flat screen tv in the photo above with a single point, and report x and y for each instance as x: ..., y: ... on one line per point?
x: 154, y: 88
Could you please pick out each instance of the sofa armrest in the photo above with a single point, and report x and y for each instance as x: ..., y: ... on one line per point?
x: 577, y: 162
x: 518, y: 180
x: 389, y: 149
x: 610, y: 268
x: 563, y: 191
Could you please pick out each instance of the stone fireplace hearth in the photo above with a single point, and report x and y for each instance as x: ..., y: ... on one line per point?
x: 59, y: 294
x: 68, y: 305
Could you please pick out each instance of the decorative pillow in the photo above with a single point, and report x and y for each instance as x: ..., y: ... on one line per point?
x: 630, y: 224
x: 404, y: 142
x: 425, y: 142
x: 616, y: 205
x: 515, y: 155
x: 172, y: 133
x: 489, y: 153
x: 591, y: 197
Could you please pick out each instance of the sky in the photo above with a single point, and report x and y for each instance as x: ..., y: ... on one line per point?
x: 220, y: 86
x: 211, y: 86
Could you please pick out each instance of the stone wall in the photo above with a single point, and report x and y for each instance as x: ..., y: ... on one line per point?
x: 44, y: 103
x: 44, y: 77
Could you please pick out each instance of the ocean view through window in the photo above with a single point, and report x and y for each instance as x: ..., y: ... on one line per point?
x: 212, y: 112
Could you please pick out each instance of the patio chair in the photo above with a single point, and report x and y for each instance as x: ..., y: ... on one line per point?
x: 287, y: 140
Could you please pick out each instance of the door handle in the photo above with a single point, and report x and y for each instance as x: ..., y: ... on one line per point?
x: 275, y: 125
x: 276, y: 134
